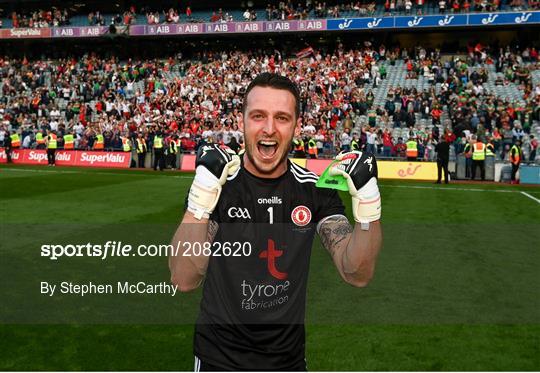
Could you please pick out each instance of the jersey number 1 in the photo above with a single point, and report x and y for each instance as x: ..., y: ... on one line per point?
x: 271, y: 213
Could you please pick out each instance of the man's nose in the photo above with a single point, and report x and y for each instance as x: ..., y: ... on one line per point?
x: 269, y: 126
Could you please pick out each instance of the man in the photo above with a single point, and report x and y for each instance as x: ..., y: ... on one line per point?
x: 273, y: 205
x: 443, y: 155
x: 141, y: 150
x: 299, y: 151
x: 516, y: 155
x: 478, y: 157
x: 355, y: 143
x: 412, y: 149
x: 159, y: 156
x: 40, y: 140
x: 69, y: 141
x: 99, y: 141
x: 173, y: 151
x: 51, y: 148
x: 400, y: 148
x: 312, y: 148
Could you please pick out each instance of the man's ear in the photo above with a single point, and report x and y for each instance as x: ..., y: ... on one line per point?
x: 298, y: 127
x: 241, y: 122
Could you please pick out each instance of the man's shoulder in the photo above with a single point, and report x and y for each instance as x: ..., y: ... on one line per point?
x: 301, y: 174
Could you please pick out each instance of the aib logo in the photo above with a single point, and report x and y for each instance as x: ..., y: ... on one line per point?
x: 270, y: 255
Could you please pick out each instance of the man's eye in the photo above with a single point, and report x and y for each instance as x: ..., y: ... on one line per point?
x: 257, y: 116
x: 282, y: 118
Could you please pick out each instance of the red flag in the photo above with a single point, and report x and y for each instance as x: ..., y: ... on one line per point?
x: 304, y: 52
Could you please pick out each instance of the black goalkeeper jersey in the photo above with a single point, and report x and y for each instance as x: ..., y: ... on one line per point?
x: 253, y: 306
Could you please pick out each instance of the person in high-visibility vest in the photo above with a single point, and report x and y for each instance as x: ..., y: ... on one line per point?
x: 299, y: 151
x: 173, y: 150
x: 159, y: 160
x: 355, y: 143
x: 490, y: 148
x: 99, y: 142
x: 312, y: 148
x: 412, y: 149
x: 40, y: 140
x: 69, y: 141
x: 126, y: 144
x: 15, y: 141
x: 478, y: 158
x: 516, y: 155
x: 51, y: 148
x: 141, y: 150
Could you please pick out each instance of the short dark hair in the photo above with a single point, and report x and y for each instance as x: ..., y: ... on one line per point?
x: 274, y: 81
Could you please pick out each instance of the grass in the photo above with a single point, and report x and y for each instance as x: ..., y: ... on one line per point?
x: 456, y: 287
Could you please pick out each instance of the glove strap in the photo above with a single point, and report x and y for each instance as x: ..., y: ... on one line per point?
x: 366, y: 210
x: 202, y: 200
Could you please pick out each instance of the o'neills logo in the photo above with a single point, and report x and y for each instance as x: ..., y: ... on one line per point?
x: 274, y: 200
x: 37, y: 156
x: 25, y: 32
x: 108, y: 158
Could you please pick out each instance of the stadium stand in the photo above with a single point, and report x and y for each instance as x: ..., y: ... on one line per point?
x: 368, y: 91
x: 76, y: 14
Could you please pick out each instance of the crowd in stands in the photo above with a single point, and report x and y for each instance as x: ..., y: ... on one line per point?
x: 283, y: 10
x: 200, y: 99
x: 53, y: 17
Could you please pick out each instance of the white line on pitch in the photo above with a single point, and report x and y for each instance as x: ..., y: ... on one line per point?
x: 531, y: 197
x: 446, y: 188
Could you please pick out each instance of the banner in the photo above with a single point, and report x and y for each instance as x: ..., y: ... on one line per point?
x: 407, y: 170
x: 25, y: 33
x: 69, y: 158
x: 387, y: 169
x: 522, y: 18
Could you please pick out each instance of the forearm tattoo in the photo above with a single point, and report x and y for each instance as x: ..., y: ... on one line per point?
x: 333, y: 231
x: 212, y: 230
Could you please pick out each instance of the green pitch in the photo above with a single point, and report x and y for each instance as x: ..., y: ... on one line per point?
x: 457, y: 285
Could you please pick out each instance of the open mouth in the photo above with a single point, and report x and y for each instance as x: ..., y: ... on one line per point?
x: 267, y: 148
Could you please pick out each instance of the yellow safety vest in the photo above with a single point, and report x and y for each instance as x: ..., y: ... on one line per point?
x: 141, y: 145
x: 355, y: 145
x: 52, y: 141
x: 412, y: 149
x: 312, y: 147
x: 100, y: 142
x: 173, y: 147
x: 158, y: 142
x: 39, y: 138
x: 490, y: 149
x: 15, y: 140
x: 125, y: 144
x: 68, y: 142
x: 517, y: 158
x: 479, y: 151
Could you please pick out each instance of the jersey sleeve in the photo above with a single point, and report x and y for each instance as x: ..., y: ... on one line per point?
x: 327, y: 203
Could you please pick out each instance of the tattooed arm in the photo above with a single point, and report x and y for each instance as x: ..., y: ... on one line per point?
x: 187, y: 272
x: 354, y: 251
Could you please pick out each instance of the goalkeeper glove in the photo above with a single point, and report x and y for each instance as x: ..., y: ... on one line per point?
x: 213, y: 165
x: 360, y: 171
